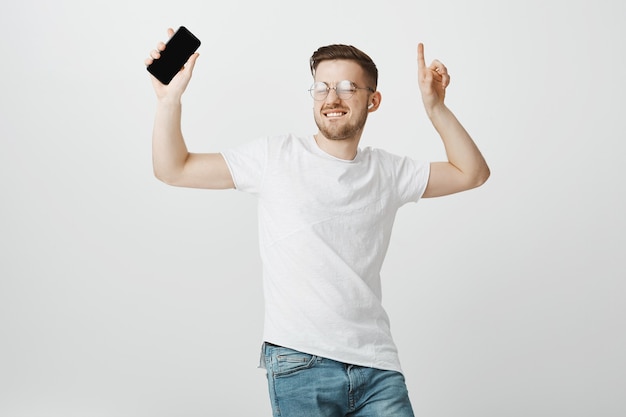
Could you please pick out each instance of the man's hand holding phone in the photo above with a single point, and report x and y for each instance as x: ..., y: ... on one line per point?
x: 171, y: 64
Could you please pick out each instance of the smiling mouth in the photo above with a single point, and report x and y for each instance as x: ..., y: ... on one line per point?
x: 334, y: 114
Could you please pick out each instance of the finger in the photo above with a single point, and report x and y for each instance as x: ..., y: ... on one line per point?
x: 442, y: 71
x: 445, y: 80
x: 438, y: 67
x: 161, y: 45
x: 421, y: 63
x: 154, y: 54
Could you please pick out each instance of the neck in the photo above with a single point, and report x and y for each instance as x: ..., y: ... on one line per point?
x: 345, y: 149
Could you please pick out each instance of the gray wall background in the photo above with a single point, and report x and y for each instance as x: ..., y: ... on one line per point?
x: 120, y: 296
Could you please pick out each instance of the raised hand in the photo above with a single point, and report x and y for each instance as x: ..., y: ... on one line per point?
x: 177, y: 86
x: 433, y: 80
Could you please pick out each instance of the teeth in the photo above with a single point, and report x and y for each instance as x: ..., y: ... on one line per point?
x: 334, y: 114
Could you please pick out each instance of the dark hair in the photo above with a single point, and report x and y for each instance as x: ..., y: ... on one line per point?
x: 347, y: 52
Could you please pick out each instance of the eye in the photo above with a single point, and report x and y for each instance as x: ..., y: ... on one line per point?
x: 346, y: 87
x: 319, y: 88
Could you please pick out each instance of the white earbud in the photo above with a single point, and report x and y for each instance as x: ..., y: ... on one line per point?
x: 370, y: 106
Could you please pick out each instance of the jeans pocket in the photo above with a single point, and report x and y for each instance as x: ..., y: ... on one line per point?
x: 287, y: 362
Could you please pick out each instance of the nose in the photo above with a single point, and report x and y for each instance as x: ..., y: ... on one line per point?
x: 332, y: 96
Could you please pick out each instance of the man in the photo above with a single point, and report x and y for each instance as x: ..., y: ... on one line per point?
x: 326, y: 209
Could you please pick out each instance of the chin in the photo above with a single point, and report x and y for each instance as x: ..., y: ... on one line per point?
x: 342, y: 133
x: 345, y: 131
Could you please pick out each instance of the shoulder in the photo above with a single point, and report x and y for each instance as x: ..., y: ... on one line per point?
x: 287, y: 143
x: 267, y: 143
x: 287, y: 139
x: 392, y: 162
x: 382, y: 156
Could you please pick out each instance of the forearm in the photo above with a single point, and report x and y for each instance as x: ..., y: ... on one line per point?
x: 169, y: 151
x: 461, y: 150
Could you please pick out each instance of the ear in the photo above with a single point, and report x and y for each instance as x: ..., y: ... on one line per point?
x: 374, y: 103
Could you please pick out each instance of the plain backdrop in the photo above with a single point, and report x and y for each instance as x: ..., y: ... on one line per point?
x: 121, y: 296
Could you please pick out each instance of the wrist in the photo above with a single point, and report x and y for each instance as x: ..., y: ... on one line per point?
x: 169, y: 101
x: 437, y: 110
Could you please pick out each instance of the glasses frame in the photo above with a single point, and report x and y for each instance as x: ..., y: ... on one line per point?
x: 342, y: 95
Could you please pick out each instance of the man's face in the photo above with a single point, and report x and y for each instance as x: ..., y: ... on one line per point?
x: 337, y: 118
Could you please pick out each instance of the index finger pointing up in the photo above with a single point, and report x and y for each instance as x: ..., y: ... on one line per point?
x: 421, y: 63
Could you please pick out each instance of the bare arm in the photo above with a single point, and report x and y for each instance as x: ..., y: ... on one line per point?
x: 172, y: 162
x: 466, y: 168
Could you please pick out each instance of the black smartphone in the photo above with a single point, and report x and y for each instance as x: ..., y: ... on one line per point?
x: 177, y: 51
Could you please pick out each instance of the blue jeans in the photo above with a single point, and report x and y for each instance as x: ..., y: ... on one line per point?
x: 303, y: 385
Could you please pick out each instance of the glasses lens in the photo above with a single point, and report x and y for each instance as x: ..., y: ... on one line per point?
x: 319, y: 91
x: 345, y: 89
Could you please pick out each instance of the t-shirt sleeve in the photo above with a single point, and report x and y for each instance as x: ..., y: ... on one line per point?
x: 412, y: 179
x: 247, y: 164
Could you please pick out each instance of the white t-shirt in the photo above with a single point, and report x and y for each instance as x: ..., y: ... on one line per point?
x: 324, y: 230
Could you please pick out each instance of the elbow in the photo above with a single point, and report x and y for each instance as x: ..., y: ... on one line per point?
x: 158, y: 174
x: 164, y: 177
x: 160, y: 178
x: 482, y: 176
x: 485, y: 174
x: 476, y: 178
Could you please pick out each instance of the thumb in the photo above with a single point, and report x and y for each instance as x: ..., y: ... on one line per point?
x: 191, y: 62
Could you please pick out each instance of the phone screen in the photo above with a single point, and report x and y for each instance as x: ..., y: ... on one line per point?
x: 177, y: 51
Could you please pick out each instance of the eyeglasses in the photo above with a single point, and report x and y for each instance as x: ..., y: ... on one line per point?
x: 344, y: 89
